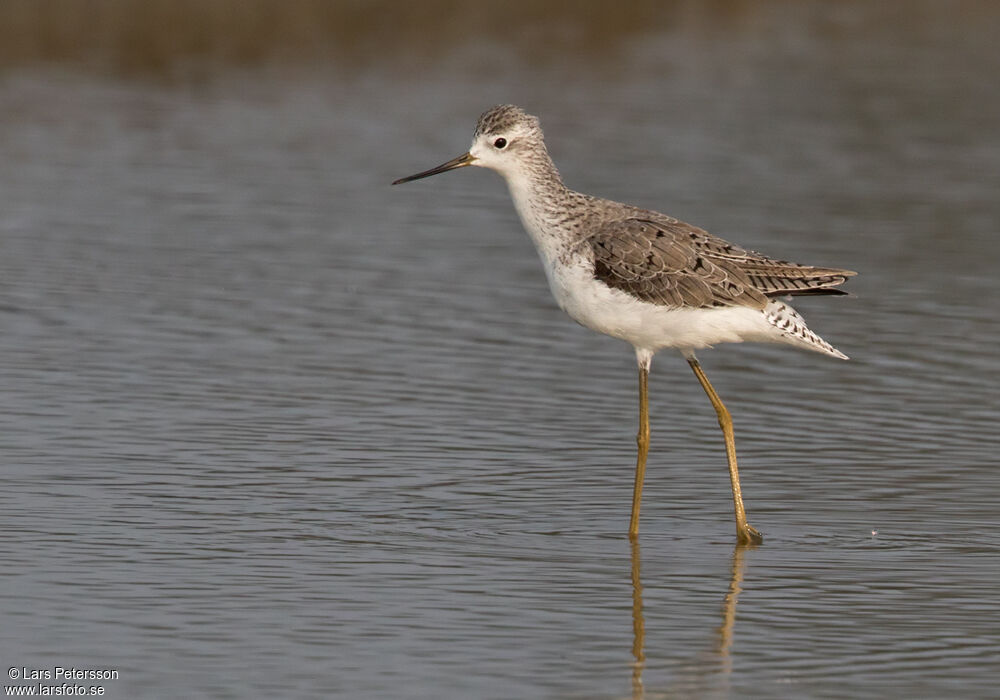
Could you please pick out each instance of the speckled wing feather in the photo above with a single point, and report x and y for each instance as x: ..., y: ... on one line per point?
x: 673, y: 264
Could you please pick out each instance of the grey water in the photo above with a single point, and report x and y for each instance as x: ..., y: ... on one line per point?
x: 273, y: 428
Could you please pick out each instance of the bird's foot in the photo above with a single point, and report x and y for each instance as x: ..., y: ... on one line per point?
x: 748, y: 535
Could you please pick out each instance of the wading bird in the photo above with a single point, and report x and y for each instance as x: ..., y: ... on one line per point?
x: 645, y: 277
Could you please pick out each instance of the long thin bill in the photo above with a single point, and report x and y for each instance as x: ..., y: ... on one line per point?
x: 460, y: 162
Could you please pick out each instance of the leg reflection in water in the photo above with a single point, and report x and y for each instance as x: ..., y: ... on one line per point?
x: 638, y: 624
x: 729, y: 609
x: 724, y: 637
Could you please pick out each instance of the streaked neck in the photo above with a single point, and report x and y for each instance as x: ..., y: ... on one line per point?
x: 543, y: 202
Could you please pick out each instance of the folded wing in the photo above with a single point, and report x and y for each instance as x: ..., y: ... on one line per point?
x: 673, y: 264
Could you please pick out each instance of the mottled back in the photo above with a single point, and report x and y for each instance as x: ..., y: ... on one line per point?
x: 667, y: 262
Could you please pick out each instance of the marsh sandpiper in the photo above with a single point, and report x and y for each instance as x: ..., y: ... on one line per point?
x: 645, y: 277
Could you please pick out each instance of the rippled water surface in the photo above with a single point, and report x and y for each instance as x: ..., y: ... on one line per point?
x: 272, y: 428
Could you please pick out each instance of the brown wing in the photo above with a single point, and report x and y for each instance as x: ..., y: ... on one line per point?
x: 668, y: 262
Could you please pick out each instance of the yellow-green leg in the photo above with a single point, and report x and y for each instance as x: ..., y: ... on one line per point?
x: 744, y: 533
x: 642, y: 440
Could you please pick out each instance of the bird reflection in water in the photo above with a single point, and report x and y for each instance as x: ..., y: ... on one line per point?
x: 724, y: 636
x: 638, y: 623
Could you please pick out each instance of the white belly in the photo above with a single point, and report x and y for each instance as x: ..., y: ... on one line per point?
x: 650, y: 326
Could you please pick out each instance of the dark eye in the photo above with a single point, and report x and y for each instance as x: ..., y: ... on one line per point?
x: 500, y: 142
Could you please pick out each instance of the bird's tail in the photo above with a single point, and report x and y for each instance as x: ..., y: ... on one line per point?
x: 794, y: 330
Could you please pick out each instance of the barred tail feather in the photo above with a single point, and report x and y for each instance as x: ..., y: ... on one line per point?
x: 794, y: 330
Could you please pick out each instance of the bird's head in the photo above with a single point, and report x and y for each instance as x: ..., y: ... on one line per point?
x: 507, y: 140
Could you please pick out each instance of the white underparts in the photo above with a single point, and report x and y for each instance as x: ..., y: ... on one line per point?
x: 653, y: 327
